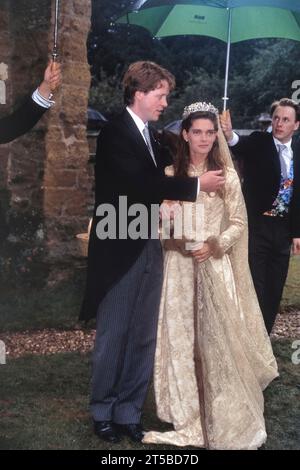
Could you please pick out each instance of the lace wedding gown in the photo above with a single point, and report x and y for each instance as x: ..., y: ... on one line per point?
x: 213, y: 356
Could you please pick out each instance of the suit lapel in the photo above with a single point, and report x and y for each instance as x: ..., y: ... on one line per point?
x: 137, y: 136
x: 296, y: 160
x: 155, y: 143
x: 274, y: 156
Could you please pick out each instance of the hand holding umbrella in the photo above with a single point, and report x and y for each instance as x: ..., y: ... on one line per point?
x: 52, y: 80
x: 52, y: 76
x: 226, y: 125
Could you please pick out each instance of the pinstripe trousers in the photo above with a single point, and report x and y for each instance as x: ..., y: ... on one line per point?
x: 125, y: 340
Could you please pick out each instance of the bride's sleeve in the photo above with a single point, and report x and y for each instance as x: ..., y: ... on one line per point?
x: 236, y: 217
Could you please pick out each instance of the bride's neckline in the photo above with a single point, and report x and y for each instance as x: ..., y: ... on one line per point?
x: 197, y: 167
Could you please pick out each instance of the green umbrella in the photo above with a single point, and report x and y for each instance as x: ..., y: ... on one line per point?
x: 230, y: 21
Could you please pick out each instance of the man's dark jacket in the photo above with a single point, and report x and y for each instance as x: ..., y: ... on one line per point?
x: 21, y: 121
x: 261, y: 175
x: 124, y: 167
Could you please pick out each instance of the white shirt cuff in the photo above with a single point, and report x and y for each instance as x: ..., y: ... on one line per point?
x: 234, y: 140
x: 40, y: 100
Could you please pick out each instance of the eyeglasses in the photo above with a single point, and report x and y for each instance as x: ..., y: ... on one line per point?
x: 211, y: 133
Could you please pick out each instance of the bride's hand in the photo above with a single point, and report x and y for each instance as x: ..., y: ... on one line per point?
x: 203, y: 254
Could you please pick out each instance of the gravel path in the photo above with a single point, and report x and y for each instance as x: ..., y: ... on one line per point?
x: 57, y: 341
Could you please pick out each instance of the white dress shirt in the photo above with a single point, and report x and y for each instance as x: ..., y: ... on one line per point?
x: 234, y: 140
x: 140, y: 124
x: 40, y: 100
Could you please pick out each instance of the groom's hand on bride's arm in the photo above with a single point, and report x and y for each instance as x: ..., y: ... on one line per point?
x: 51, y: 81
x: 211, y: 181
x: 296, y: 246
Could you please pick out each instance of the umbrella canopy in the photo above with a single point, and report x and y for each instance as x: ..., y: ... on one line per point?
x: 230, y: 21
x: 250, y: 18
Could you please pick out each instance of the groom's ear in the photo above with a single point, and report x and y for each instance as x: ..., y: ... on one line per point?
x: 139, y: 95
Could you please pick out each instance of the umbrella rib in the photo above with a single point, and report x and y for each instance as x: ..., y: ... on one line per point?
x: 162, y: 24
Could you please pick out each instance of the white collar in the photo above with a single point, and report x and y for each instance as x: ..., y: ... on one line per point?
x: 287, y: 144
x: 138, y: 121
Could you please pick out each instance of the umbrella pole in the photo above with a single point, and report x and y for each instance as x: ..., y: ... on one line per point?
x: 55, y: 49
x: 225, y: 97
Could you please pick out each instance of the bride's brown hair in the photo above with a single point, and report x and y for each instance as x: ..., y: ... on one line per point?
x: 183, y: 159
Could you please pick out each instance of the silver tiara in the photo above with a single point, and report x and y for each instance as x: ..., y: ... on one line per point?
x: 200, y: 106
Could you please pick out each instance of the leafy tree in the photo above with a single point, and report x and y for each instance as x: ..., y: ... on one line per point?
x: 107, y: 95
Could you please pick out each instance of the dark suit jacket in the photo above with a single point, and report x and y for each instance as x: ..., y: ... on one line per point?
x: 261, y: 173
x: 21, y: 121
x: 124, y: 167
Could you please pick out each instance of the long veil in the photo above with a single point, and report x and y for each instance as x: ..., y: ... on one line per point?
x: 246, y: 294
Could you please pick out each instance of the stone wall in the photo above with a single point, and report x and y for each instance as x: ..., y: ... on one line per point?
x: 44, y: 183
x: 5, y: 50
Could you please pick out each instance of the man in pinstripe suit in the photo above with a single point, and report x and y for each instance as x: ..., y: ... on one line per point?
x: 125, y: 273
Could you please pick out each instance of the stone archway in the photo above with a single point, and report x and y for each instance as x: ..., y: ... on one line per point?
x: 45, y: 183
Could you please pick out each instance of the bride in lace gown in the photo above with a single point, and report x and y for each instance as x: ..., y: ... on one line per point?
x: 213, y: 357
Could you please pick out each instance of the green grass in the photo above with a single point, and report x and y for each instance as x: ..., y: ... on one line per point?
x: 291, y: 293
x: 24, y: 308
x: 283, y: 401
x: 44, y: 404
x: 44, y: 399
